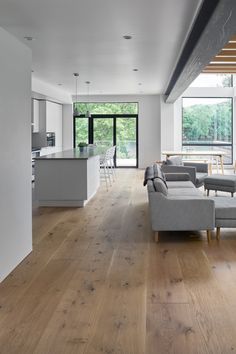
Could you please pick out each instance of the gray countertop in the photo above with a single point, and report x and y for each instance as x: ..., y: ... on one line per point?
x: 74, y: 154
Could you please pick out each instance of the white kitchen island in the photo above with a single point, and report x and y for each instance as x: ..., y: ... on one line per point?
x: 69, y: 178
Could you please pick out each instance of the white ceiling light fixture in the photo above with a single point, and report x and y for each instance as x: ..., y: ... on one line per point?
x: 88, y: 113
x: 29, y: 38
x: 76, y: 111
x: 127, y: 36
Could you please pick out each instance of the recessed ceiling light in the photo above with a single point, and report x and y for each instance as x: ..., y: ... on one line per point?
x: 127, y: 36
x: 29, y: 38
x: 135, y: 69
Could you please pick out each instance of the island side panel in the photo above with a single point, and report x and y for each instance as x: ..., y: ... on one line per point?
x: 61, y: 182
x: 93, y: 175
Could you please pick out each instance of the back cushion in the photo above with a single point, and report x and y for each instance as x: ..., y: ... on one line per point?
x: 160, y: 186
x: 174, y: 160
x: 157, y: 170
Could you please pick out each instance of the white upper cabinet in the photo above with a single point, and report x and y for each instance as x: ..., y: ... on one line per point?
x: 54, y: 121
x: 35, y: 116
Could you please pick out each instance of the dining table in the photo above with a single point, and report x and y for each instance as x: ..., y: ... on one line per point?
x: 218, y: 155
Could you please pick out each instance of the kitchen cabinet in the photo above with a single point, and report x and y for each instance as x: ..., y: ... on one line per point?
x: 54, y: 121
x: 35, y: 116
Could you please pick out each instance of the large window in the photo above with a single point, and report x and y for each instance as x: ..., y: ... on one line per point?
x: 110, y: 124
x: 213, y: 80
x: 207, y: 125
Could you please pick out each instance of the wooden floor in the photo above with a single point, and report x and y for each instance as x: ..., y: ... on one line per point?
x: 97, y: 283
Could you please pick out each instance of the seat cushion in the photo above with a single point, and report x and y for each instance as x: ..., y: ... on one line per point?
x: 184, y: 192
x: 221, y: 180
x: 225, y: 208
x: 200, y: 178
x: 179, y: 184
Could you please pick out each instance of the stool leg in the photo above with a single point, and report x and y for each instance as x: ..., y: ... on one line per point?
x: 209, y: 236
x: 232, y: 194
x: 208, y: 192
x: 218, y: 233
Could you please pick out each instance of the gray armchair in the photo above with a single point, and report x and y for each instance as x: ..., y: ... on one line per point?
x: 196, y: 170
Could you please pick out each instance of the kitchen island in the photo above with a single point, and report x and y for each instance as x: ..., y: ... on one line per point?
x: 68, y: 178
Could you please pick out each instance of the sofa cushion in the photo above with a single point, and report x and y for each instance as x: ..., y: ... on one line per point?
x: 225, y: 208
x: 157, y: 170
x: 152, y: 172
x: 184, y: 192
x: 177, y: 176
x: 160, y: 186
x: 180, y: 184
x: 174, y: 160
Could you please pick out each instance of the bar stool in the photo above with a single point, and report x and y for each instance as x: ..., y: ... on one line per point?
x: 104, y: 165
x: 112, y: 169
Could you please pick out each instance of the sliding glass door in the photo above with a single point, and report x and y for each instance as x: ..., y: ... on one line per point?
x: 109, y: 130
x: 103, y: 131
x: 126, y: 142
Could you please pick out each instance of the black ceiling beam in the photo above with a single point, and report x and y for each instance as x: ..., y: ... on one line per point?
x: 214, y: 25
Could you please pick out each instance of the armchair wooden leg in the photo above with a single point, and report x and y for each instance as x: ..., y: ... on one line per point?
x: 208, y: 192
x: 232, y: 194
x: 156, y: 236
x: 218, y: 233
x: 210, y: 168
x: 209, y: 236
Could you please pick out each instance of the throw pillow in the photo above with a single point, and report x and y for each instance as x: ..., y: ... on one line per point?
x: 175, y: 160
x: 160, y: 186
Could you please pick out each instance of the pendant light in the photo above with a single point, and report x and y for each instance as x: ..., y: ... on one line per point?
x: 88, y: 114
x: 76, y: 111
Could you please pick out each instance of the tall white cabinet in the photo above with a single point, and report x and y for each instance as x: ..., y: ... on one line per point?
x: 54, y: 121
x: 35, y: 116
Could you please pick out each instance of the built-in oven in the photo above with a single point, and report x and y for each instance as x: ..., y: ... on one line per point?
x: 34, y: 153
x: 51, y: 139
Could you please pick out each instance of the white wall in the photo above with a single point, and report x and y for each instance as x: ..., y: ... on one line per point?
x: 15, y: 153
x: 67, y: 126
x: 149, y: 123
x: 167, y: 125
x: 47, y: 91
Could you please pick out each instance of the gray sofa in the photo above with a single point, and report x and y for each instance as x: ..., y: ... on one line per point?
x: 197, y: 171
x: 176, y: 204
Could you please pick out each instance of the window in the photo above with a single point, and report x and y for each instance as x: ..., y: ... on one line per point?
x: 107, y: 107
x: 213, y: 80
x: 207, y: 125
x: 110, y: 124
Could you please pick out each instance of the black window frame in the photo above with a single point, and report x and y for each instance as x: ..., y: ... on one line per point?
x: 232, y: 115
x: 108, y: 116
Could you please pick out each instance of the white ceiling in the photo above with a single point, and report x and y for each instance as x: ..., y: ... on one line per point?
x: 86, y: 36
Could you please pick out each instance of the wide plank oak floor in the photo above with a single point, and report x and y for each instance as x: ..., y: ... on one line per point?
x: 97, y: 283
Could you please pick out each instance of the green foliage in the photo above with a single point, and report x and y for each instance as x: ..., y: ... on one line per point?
x: 107, y: 107
x: 82, y: 144
x: 81, y: 130
x: 208, y: 122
